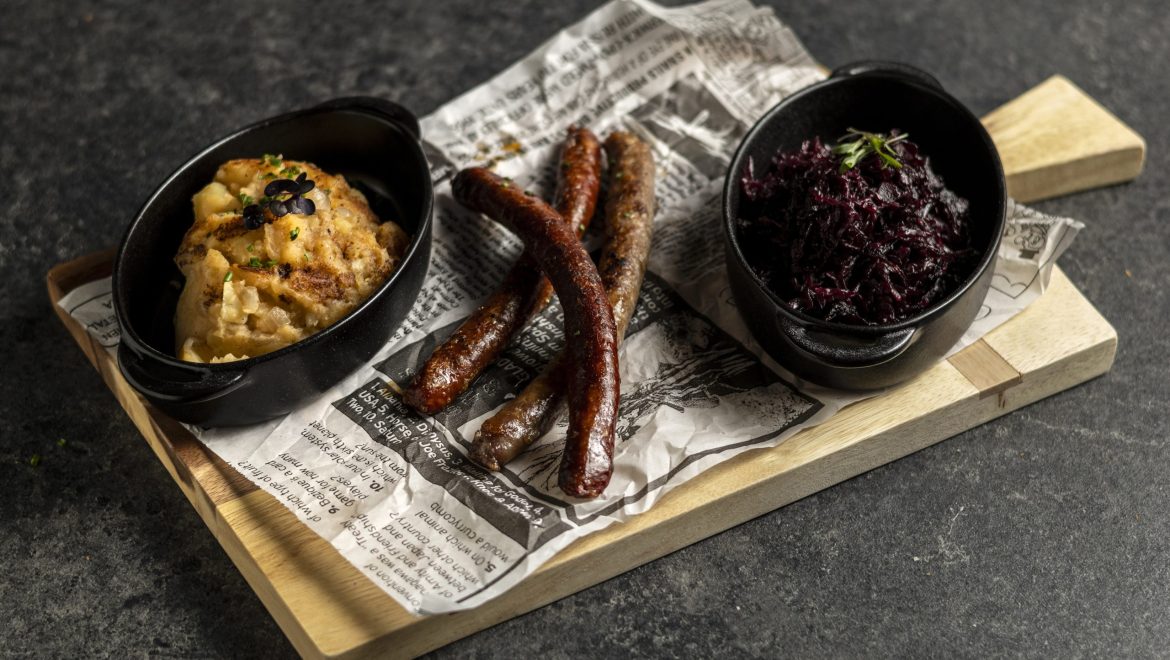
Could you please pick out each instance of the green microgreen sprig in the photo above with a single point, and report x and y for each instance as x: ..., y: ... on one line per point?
x: 855, y: 145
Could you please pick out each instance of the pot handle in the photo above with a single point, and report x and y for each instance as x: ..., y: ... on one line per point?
x: 388, y: 109
x: 173, y: 382
x: 882, y: 67
x: 882, y: 348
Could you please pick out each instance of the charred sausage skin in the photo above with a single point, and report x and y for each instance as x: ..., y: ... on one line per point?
x: 629, y: 217
x: 592, y: 377
x: 483, y: 335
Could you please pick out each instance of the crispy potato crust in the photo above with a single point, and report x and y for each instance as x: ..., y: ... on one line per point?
x: 253, y: 291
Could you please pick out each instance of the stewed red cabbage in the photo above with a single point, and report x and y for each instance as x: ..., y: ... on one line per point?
x: 862, y: 233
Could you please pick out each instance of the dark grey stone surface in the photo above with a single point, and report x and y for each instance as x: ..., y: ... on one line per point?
x: 1044, y: 533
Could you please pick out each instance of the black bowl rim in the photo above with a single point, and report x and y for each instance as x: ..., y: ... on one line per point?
x: 416, y: 242
x: 894, y: 77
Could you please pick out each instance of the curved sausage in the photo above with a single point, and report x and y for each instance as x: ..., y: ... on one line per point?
x: 483, y: 335
x: 592, y: 378
x: 629, y: 217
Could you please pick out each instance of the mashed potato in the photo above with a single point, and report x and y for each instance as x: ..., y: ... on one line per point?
x: 253, y: 291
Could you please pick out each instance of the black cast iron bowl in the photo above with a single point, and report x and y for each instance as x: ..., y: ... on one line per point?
x: 375, y: 145
x: 873, y: 96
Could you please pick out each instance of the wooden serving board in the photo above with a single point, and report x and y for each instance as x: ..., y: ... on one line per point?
x: 1053, y: 140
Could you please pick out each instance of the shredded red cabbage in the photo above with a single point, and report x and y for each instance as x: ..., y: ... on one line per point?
x: 870, y: 245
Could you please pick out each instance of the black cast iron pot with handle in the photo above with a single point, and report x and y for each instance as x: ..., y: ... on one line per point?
x: 873, y: 96
x: 373, y: 143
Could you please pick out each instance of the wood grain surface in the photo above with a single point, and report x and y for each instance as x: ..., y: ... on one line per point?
x: 1055, y: 139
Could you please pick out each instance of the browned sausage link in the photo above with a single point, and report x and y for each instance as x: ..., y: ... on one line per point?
x: 578, y: 178
x: 629, y: 219
x: 522, y: 420
x: 483, y: 335
x: 592, y: 379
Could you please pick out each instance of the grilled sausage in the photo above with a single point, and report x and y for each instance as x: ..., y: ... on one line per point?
x: 592, y: 377
x: 522, y: 420
x: 483, y: 335
x: 629, y: 217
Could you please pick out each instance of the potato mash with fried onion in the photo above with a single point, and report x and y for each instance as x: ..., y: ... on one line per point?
x: 251, y: 291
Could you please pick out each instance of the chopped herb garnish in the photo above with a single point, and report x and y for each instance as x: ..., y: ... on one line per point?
x: 60, y: 442
x: 292, y: 235
x: 267, y: 175
x: 254, y: 262
x: 290, y: 171
x: 250, y: 246
x: 308, y: 256
x: 270, y: 263
x: 272, y: 161
x: 228, y: 277
x: 34, y: 460
x: 245, y: 199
